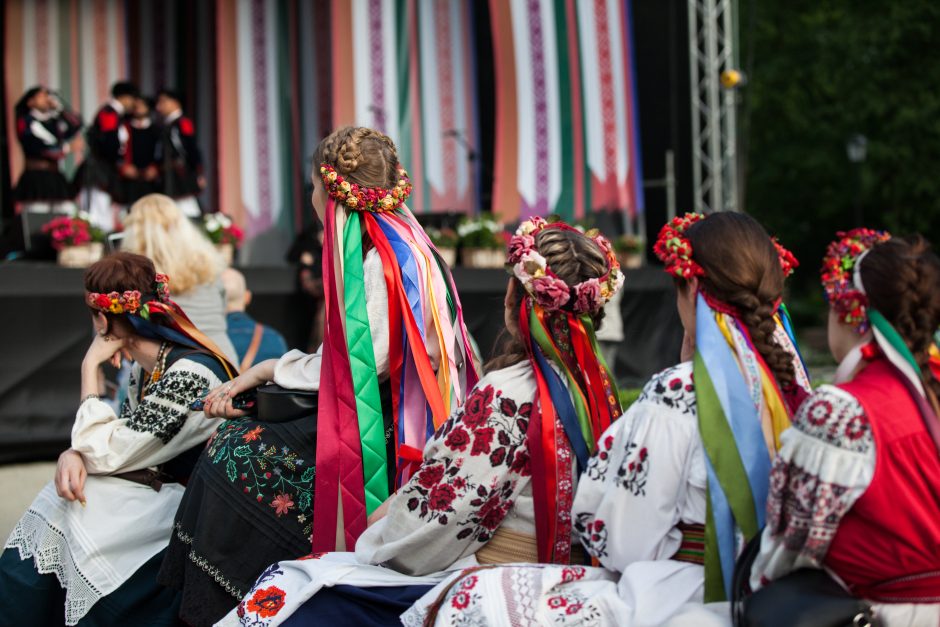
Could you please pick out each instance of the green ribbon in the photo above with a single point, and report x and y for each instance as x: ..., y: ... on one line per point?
x: 541, y: 337
x: 362, y: 365
x: 893, y: 337
x: 722, y: 451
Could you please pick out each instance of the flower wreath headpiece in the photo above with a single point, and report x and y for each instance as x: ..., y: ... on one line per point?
x: 845, y: 295
x: 128, y: 302
x: 546, y: 287
x: 674, y: 249
x: 354, y: 196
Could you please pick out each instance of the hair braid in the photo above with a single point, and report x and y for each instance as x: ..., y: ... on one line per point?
x: 574, y: 257
x: 742, y: 269
x: 362, y: 155
x: 902, y: 280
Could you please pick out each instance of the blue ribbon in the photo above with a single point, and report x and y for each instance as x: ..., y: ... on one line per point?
x: 561, y: 399
x: 744, y: 420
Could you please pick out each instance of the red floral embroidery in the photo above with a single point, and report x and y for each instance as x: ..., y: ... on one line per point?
x: 441, y: 497
x: 457, y: 439
x: 478, y: 407
x: 429, y: 476
x: 253, y: 435
x: 482, y: 439
x: 267, y: 602
x: 557, y: 602
x: 460, y: 600
x: 282, y: 504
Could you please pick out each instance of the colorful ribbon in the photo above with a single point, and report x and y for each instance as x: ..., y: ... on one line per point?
x: 352, y: 457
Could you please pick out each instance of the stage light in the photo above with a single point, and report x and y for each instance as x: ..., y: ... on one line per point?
x: 733, y: 78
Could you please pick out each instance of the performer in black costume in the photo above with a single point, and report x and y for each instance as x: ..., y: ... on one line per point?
x: 100, y: 172
x: 44, y: 128
x: 140, y: 168
x: 182, y: 159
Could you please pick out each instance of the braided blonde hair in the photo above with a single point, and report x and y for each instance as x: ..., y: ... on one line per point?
x: 360, y: 155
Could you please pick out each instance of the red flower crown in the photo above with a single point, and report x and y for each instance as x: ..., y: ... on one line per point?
x: 128, y: 302
x: 838, y: 270
x: 674, y: 249
x: 545, y: 287
x: 354, y: 196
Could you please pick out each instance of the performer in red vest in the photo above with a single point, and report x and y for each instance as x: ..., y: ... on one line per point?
x: 855, y: 488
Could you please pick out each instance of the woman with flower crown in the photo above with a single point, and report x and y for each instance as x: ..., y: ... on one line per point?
x: 88, y: 549
x: 677, y: 481
x: 856, y: 487
x: 395, y: 362
x: 497, y: 478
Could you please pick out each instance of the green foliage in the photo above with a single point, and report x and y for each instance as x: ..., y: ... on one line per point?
x: 822, y: 71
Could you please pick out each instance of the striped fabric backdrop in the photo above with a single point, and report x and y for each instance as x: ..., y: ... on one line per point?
x: 566, y: 127
x: 264, y: 81
x: 76, y: 46
x: 414, y: 81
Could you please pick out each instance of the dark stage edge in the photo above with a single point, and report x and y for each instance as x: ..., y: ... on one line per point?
x: 46, y: 330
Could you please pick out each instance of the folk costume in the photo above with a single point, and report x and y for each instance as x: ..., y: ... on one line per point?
x: 672, y: 487
x: 497, y: 478
x: 44, y: 137
x: 856, y: 487
x: 99, y: 562
x: 395, y: 363
x: 142, y: 150
x: 181, y: 163
x: 107, y: 138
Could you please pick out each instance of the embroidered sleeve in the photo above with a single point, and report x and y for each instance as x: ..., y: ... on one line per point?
x: 826, y: 462
x: 630, y: 497
x: 146, y: 433
x: 472, y: 472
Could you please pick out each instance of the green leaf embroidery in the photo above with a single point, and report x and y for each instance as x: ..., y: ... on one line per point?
x: 242, y: 451
x: 230, y: 470
x: 308, y: 474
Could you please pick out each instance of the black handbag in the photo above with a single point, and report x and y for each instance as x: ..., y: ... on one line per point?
x: 807, y: 597
x: 277, y: 404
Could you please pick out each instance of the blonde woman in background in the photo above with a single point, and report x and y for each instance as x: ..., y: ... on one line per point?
x: 157, y: 228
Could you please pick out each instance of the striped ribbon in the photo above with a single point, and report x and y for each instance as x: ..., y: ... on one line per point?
x: 737, y: 458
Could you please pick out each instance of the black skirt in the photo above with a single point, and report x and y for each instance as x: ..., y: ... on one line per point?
x: 248, y: 504
x: 42, y: 186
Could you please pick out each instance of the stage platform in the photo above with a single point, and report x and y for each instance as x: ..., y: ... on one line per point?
x: 46, y: 330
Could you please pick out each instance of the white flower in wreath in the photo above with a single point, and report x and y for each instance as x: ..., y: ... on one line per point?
x: 530, y: 266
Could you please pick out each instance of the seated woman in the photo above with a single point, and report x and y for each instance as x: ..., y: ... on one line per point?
x: 394, y: 364
x: 496, y: 481
x: 856, y: 487
x: 91, y: 554
x: 684, y: 473
x: 157, y: 228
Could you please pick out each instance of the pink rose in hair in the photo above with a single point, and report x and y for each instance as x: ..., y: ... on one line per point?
x: 518, y: 245
x: 588, y: 296
x: 550, y: 292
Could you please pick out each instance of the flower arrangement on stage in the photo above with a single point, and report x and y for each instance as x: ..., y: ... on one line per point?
x: 442, y: 238
x: 482, y: 241
x: 481, y: 232
x: 68, y: 231
x: 630, y: 249
x: 220, y: 229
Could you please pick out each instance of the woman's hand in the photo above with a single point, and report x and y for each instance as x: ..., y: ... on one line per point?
x: 218, y: 403
x: 70, y: 476
x: 688, y: 348
x: 103, y: 348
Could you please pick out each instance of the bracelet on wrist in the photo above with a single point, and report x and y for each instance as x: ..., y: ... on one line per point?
x: 89, y: 397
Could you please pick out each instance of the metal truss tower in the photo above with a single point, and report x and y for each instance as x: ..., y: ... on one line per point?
x: 714, y: 140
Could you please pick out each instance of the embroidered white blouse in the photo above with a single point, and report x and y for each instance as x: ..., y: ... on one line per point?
x: 474, y: 479
x: 94, y: 549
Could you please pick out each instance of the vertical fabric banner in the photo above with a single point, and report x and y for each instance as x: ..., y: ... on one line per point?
x: 410, y: 75
x: 566, y: 134
x: 75, y: 47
